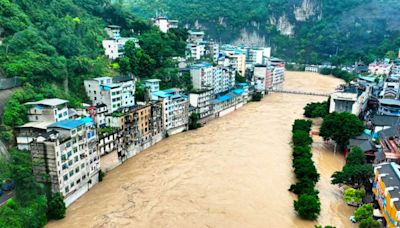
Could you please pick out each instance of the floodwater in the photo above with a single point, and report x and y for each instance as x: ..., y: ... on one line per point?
x: 234, y: 172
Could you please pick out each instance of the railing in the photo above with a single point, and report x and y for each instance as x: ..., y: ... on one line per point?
x: 299, y: 92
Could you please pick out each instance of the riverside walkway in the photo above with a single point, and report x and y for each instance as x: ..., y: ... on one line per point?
x: 298, y: 92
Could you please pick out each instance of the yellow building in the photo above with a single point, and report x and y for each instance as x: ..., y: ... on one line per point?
x: 386, y: 189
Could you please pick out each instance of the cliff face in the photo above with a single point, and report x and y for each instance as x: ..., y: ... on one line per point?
x: 324, y: 26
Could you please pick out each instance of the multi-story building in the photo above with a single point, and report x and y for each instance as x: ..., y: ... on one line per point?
x: 223, y: 79
x: 278, y: 76
x: 391, y: 89
x: 200, y: 100
x: 195, y: 36
x: 195, y: 50
x: 152, y: 84
x: 67, y: 158
x: 349, y: 99
x: 114, y: 46
x: 234, y: 58
x: 386, y: 188
x: 175, y: 110
x: 263, y: 77
x: 202, y: 75
x: 205, y: 76
x: 258, y: 55
x: 383, y: 68
x: 164, y: 24
x: 48, y: 110
x: 115, y: 93
x: 389, y: 107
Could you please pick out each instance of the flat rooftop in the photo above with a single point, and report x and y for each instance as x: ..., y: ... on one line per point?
x: 48, y: 102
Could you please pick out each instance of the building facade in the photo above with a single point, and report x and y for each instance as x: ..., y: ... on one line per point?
x: 115, y: 93
x: 68, y: 155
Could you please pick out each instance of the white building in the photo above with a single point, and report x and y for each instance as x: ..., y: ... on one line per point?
x: 195, y: 50
x: 201, y: 101
x: 114, y: 47
x: 202, y: 76
x: 152, y: 84
x: 195, y: 36
x: 263, y: 77
x: 278, y: 77
x: 164, y: 24
x: 115, y: 92
x: 349, y: 99
x: 205, y: 76
x: 175, y: 110
x: 236, y: 59
x: 391, y: 89
x: 223, y: 79
x: 258, y: 55
x: 48, y: 110
x: 67, y: 154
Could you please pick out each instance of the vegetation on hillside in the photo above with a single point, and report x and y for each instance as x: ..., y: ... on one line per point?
x: 53, y: 46
x: 328, y: 35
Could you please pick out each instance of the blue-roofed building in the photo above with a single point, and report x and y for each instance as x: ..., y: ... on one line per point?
x: 228, y: 102
x: 68, y: 154
x: 175, y: 110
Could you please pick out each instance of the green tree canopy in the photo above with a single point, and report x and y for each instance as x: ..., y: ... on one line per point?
x: 341, y: 127
x: 308, y: 206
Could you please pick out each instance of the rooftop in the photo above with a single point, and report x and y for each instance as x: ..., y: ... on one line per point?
x: 38, y: 125
x: 152, y: 80
x: 48, y: 102
x: 389, y: 102
x: 391, y: 179
x: 380, y: 120
x: 71, y: 124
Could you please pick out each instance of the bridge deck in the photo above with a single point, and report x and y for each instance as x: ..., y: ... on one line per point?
x: 299, y: 92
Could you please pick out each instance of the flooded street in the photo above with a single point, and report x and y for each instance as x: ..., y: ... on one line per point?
x: 234, y: 172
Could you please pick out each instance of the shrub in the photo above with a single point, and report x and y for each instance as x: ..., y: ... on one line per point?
x: 301, y: 138
x: 56, y: 207
x: 308, y: 206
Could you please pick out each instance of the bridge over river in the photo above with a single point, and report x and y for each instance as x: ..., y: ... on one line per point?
x: 319, y: 94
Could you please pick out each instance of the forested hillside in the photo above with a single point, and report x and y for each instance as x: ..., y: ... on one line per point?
x: 309, y: 31
x: 53, y: 45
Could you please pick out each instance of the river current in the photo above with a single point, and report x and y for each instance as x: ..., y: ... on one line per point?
x: 233, y: 172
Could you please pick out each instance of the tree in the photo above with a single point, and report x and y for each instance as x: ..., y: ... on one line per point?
x: 56, y: 207
x: 308, y: 206
x: 304, y: 186
x: 352, y: 195
x: 302, y: 125
x: 301, y: 138
x: 363, y: 212
x: 356, y: 157
x: 341, y: 127
x: 356, y: 171
x: 194, y: 121
x: 369, y: 223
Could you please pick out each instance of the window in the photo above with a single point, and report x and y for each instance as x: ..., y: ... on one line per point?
x: 66, y: 189
x: 71, y: 173
x: 72, y: 184
x: 63, y: 157
x: 70, y: 162
x: 75, y: 149
x: 76, y: 158
x: 77, y: 169
x: 69, y: 154
x: 65, y: 177
x: 65, y: 166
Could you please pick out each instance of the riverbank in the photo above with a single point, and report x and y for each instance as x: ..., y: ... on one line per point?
x: 234, y: 172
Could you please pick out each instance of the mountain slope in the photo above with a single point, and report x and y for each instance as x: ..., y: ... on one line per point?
x: 300, y: 30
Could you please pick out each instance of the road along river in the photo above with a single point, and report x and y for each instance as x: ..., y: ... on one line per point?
x: 234, y: 172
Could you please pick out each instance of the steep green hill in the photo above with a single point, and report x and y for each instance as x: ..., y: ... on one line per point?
x: 300, y: 30
x: 54, y: 45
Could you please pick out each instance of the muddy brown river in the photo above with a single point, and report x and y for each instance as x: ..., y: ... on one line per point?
x: 234, y: 172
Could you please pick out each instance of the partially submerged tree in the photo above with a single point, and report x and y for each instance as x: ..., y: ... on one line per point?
x: 341, y: 127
